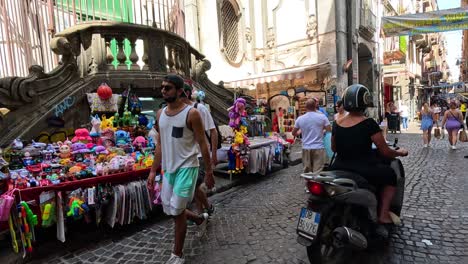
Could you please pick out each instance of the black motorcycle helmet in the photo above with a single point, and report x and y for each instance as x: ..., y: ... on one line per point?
x: 357, y: 98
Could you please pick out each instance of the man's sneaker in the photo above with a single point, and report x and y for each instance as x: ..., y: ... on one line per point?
x: 174, y: 259
x: 202, y: 226
x: 454, y: 147
x: 210, y: 211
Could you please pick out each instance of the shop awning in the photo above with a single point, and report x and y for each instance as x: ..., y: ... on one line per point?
x: 273, y: 76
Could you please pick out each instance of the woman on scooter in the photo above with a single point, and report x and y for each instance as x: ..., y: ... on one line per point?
x: 352, y: 138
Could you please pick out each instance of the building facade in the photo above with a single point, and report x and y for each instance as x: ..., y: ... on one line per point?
x: 411, y: 65
x: 463, y: 62
x: 272, y: 47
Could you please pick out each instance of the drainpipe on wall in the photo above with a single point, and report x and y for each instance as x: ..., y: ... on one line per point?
x: 341, y: 48
x: 349, y: 41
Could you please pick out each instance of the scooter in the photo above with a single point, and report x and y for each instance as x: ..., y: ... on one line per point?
x: 340, y: 219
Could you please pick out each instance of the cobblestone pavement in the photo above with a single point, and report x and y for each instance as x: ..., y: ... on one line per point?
x: 255, y: 223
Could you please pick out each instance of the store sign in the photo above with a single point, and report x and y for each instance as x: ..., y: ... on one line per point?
x: 420, y: 23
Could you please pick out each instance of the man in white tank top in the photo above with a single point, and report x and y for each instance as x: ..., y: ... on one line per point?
x: 180, y: 130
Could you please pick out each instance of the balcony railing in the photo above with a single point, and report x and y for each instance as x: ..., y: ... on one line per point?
x: 368, y: 22
x: 111, y: 46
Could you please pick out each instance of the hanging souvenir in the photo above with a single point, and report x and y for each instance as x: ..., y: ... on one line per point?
x: 104, y: 100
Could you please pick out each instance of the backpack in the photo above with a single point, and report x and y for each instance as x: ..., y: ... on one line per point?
x: 220, y: 140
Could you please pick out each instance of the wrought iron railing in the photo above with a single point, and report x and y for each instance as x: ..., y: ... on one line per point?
x: 27, y: 26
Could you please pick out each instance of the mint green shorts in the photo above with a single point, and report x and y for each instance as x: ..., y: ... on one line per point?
x: 178, y: 190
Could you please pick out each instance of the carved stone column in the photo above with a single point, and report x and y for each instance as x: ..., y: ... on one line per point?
x: 145, y: 57
x: 121, y: 57
x: 133, y: 55
x: 109, y: 56
x: 170, y: 58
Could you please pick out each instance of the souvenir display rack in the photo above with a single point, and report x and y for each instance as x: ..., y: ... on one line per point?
x: 98, y: 176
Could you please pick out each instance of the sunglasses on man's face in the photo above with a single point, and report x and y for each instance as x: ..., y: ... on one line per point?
x: 167, y: 87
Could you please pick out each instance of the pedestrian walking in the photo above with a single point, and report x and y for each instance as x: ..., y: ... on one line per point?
x: 312, y: 126
x: 340, y: 112
x: 180, y: 129
x: 463, y: 110
x: 453, y: 121
x: 427, y: 121
x: 436, y: 111
x: 211, y: 134
x: 404, y: 114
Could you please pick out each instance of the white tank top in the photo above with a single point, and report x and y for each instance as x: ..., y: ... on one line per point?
x: 178, y: 144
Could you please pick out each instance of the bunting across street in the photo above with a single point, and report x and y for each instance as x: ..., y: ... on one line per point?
x: 429, y: 22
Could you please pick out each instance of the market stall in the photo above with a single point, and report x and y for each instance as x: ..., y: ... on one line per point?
x: 250, y: 155
x: 97, y: 176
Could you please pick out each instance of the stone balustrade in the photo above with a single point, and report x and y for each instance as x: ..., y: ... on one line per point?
x: 110, y: 46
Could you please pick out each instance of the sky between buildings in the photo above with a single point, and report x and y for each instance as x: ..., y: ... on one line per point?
x: 454, y: 41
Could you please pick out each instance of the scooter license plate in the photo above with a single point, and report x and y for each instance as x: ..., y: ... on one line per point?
x: 308, y: 222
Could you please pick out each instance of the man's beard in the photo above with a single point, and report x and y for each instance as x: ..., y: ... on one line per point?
x: 170, y: 99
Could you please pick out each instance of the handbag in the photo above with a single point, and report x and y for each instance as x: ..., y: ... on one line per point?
x: 437, y: 133
x: 462, y: 137
x: 6, y: 202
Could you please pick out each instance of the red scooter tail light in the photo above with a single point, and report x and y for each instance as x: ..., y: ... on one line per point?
x: 316, y: 188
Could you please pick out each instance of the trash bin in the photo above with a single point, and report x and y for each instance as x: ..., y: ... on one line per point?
x: 393, y: 123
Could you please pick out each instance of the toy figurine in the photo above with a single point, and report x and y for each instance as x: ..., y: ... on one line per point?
x: 116, y: 120
x: 3, y: 162
x: 79, y: 148
x: 122, y: 138
x: 54, y: 178
x: 139, y: 143
x: 142, y: 120
x: 129, y: 163
x: 105, y: 169
x: 101, y: 150
x: 99, y: 169
x: 74, y: 170
x: 127, y: 118
x: 134, y: 121
x: 96, y: 126
x: 77, y: 208
x: 78, y: 151
x: 107, y: 123
x: 47, y: 155
x: 27, y: 159
x: 114, y: 165
x: 39, y: 145
x: 17, y: 144
x: 65, y: 150
x: 15, y: 161
x: 82, y: 135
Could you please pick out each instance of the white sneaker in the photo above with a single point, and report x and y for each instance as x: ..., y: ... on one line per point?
x: 454, y: 147
x: 202, y: 226
x: 425, y: 146
x: 174, y: 259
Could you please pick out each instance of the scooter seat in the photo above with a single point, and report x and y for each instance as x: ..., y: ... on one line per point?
x: 360, y: 181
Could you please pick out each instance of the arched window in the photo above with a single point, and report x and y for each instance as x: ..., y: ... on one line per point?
x: 229, y: 17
